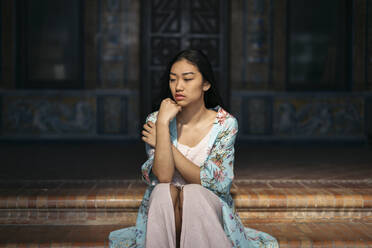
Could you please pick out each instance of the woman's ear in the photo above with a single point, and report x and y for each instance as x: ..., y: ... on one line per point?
x: 206, y: 86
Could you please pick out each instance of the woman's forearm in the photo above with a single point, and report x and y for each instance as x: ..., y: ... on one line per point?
x: 189, y: 171
x: 163, y: 166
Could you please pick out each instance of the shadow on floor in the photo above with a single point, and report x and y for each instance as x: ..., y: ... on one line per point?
x: 55, y: 161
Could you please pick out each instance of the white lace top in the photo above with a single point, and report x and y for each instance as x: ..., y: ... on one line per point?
x: 196, y: 154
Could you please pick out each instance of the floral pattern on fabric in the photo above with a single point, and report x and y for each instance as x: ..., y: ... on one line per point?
x: 216, y: 174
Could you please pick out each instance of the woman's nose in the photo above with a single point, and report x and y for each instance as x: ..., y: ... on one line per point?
x: 179, y: 85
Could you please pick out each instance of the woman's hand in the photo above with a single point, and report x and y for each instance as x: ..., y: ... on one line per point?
x: 149, y: 134
x: 168, y: 110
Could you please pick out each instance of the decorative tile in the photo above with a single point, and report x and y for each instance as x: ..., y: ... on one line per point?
x: 118, y: 47
x: 256, y: 112
x: 47, y: 115
x: 112, y: 114
x: 256, y: 43
x: 331, y: 116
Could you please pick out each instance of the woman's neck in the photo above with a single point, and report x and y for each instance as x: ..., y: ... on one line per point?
x: 192, y: 114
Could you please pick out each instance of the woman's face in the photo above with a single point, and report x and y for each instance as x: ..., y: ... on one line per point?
x: 186, y: 80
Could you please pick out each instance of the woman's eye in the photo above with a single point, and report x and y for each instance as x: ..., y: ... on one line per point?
x: 171, y: 80
x: 188, y: 79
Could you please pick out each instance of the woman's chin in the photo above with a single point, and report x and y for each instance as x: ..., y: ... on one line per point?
x: 181, y: 102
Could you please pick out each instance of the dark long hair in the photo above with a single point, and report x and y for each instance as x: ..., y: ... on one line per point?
x: 212, y: 97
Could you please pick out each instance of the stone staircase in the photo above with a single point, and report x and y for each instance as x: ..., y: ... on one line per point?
x: 82, y: 213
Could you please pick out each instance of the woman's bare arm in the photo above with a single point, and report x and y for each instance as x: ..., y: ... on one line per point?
x: 189, y: 171
x: 163, y: 167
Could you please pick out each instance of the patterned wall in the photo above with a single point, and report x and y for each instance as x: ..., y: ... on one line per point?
x: 109, y: 110
x: 118, y: 44
x: 251, y: 44
x: 319, y: 116
x: 44, y: 115
x: 272, y: 116
x: 73, y: 114
x: 266, y: 114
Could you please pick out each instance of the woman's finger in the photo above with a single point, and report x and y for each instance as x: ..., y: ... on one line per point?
x: 146, y: 127
x: 145, y: 139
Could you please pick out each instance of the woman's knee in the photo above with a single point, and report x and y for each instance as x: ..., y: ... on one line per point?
x: 160, y: 187
x: 193, y: 188
x: 160, y: 191
x: 198, y: 193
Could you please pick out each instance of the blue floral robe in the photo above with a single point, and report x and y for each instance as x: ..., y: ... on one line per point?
x: 216, y: 174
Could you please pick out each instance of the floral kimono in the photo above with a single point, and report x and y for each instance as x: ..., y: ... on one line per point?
x: 216, y: 174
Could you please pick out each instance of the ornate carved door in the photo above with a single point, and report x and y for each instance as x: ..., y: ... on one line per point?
x: 169, y: 26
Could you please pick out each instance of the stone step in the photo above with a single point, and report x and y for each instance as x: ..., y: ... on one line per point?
x: 314, y: 234
x: 128, y: 194
x: 116, y: 202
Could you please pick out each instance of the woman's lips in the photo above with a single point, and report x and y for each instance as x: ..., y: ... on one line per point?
x: 178, y: 97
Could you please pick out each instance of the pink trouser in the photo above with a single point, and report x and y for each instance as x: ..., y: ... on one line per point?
x: 201, y: 219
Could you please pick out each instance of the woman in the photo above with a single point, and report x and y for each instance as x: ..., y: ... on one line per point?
x: 190, y: 147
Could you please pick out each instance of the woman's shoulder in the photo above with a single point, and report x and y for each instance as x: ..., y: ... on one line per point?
x: 226, y: 119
